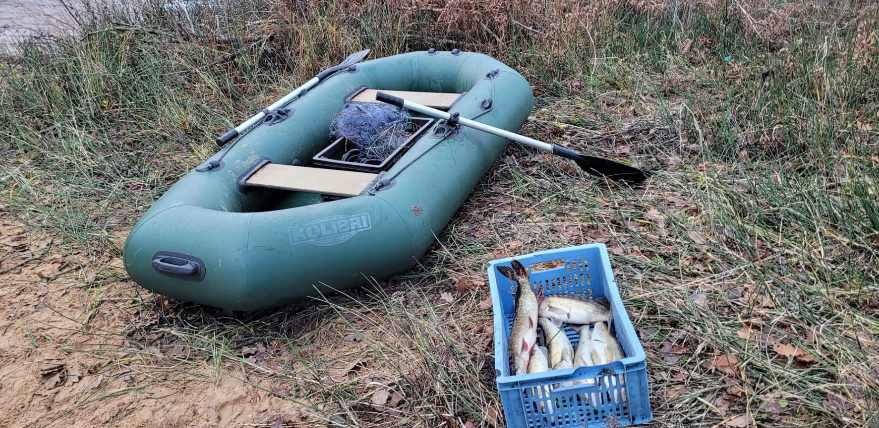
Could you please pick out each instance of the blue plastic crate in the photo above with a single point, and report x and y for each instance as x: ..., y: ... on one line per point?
x: 618, y: 390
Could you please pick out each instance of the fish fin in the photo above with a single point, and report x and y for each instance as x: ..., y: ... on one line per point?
x: 531, y: 323
x: 539, y: 295
x: 519, y: 268
x: 603, y: 302
x: 507, y: 272
x: 525, y: 347
x: 556, y: 310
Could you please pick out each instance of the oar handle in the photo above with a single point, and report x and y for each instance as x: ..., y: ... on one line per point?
x: 390, y: 99
x: 227, y: 137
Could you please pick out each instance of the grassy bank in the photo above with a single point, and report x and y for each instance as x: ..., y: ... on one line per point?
x: 748, y: 262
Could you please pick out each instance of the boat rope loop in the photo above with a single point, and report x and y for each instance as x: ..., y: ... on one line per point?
x: 443, y: 130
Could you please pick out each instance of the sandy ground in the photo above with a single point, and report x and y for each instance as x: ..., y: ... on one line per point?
x: 26, y: 18
x: 63, y: 359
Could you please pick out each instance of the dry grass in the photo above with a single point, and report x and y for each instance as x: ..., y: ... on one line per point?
x: 748, y: 262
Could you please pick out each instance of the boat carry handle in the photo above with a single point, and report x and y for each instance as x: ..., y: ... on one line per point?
x: 179, y: 265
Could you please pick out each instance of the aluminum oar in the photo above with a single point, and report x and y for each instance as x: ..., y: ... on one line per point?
x: 351, y: 60
x: 593, y: 165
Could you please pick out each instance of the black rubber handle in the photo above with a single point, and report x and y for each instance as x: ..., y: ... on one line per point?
x: 227, y: 137
x: 390, y: 99
x: 175, y: 265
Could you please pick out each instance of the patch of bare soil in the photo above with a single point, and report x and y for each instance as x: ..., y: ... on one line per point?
x: 65, y: 359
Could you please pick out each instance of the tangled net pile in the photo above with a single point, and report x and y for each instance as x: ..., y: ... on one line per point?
x: 376, y: 129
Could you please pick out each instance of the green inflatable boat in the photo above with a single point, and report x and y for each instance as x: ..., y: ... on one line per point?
x: 260, y: 225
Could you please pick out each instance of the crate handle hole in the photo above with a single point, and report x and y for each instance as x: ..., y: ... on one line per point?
x: 547, y: 265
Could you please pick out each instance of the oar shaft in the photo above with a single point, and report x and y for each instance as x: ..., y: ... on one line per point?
x: 381, y: 96
x: 591, y: 164
x: 229, y: 136
x: 234, y: 132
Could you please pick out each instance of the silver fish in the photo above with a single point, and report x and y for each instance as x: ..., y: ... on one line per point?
x: 583, y: 354
x: 539, y: 361
x: 573, y: 309
x: 523, y: 334
x: 605, y: 347
x: 561, y: 353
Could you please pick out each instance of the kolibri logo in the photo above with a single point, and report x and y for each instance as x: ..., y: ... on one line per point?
x: 331, y: 230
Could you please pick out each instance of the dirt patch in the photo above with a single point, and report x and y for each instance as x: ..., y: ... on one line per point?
x: 65, y: 359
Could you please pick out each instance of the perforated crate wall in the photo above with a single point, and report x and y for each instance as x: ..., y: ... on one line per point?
x: 616, y: 391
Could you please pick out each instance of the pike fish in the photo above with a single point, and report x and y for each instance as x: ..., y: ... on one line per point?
x: 539, y: 361
x: 523, y: 334
x: 574, y: 309
x: 561, y: 353
x: 605, y: 347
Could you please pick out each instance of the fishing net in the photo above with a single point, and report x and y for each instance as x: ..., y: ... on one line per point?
x: 375, y: 129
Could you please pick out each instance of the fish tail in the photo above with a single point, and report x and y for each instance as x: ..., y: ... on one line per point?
x: 507, y: 272
x: 603, y: 302
x: 519, y: 268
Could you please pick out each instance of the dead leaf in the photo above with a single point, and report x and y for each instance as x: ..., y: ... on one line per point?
x: 380, y: 397
x: 513, y: 245
x: 95, y: 383
x: 721, y: 406
x: 249, y: 351
x: 73, y: 376
x: 280, y: 392
x: 490, y: 414
x: 728, y: 364
x: 790, y: 350
x: 838, y: 402
x: 42, y: 290
x: 278, y: 423
x: 774, y: 406
x: 697, y: 238
x: 746, y: 333
x: 672, y: 353
x: 678, y: 202
x: 462, y: 284
x: 396, y: 398
x: 740, y: 421
x: 485, y: 304
x: 53, y: 375
x: 655, y: 216
x: 179, y: 351
x: 447, y: 297
x: 354, y: 337
x: 470, y: 423
x: 700, y: 300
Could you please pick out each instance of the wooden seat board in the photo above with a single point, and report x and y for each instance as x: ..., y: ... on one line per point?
x: 316, y: 180
x: 437, y: 100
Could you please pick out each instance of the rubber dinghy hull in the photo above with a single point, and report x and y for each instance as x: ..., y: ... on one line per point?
x: 255, y: 248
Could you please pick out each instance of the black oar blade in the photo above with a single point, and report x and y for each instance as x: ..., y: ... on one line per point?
x: 611, y: 169
x: 351, y: 60
x: 354, y: 58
